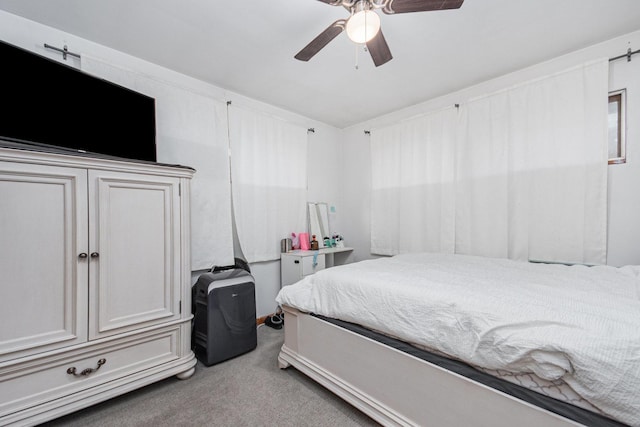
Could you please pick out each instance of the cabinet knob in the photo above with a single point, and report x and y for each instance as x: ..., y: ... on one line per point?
x: 82, y: 255
x: 95, y: 254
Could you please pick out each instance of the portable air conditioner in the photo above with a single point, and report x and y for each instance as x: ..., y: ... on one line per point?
x: 224, y: 315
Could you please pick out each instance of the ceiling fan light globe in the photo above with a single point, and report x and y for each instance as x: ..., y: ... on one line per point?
x: 363, y: 26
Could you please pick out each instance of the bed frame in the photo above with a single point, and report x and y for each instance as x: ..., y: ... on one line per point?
x: 395, y: 388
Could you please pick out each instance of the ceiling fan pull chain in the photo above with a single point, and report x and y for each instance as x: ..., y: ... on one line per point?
x: 357, y: 49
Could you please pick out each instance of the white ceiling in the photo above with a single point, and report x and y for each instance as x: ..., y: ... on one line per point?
x: 247, y: 46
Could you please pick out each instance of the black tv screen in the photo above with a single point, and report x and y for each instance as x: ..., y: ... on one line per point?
x: 45, y: 102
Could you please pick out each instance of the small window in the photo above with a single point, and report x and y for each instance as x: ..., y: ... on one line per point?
x: 617, y: 127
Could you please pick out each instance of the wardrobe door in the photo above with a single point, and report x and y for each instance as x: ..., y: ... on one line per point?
x: 43, y: 258
x: 134, y: 227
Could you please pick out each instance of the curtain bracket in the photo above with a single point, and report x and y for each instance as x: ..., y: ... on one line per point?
x: 626, y: 55
x: 64, y: 51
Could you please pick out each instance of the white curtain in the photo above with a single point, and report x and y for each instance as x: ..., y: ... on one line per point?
x: 412, y: 201
x: 269, y: 181
x: 532, y: 170
x: 191, y: 130
x: 520, y: 173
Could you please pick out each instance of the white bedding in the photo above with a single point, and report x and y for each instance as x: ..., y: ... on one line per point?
x: 578, y: 324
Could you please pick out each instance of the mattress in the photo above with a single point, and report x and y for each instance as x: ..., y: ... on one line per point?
x: 576, y: 325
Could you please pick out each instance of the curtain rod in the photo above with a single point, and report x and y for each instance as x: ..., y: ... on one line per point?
x: 64, y: 51
x: 626, y: 55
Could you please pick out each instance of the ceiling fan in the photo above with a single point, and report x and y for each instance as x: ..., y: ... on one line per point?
x: 363, y: 26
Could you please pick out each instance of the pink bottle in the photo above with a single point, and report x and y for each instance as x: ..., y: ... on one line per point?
x: 305, y: 244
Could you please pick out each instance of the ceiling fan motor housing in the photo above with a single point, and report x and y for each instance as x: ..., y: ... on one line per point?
x: 364, y: 23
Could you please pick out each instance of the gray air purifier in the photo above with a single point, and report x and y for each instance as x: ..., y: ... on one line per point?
x: 224, y: 315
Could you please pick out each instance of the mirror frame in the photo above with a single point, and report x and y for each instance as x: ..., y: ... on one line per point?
x: 318, y: 221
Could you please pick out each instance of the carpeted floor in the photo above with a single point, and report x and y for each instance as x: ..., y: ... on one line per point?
x: 249, y: 390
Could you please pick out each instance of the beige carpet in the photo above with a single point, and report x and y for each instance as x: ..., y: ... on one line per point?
x: 248, y: 390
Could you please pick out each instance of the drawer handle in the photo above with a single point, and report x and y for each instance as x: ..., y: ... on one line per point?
x: 85, y: 372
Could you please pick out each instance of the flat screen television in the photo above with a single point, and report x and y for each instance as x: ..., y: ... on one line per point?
x: 46, y: 102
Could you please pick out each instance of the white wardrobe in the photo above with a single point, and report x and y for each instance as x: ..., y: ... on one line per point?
x: 94, y: 280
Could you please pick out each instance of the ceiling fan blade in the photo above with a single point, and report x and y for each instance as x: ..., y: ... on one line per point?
x: 379, y: 50
x: 321, y: 41
x: 406, y: 6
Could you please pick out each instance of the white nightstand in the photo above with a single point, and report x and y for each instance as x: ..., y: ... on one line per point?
x: 295, y: 265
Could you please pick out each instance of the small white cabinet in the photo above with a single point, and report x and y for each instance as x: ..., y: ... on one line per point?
x: 94, y: 255
x: 295, y: 265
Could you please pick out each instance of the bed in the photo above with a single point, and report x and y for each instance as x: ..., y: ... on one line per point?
x: 575, y: 329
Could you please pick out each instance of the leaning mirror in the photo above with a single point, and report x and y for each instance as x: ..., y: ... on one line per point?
x: 319, y: 221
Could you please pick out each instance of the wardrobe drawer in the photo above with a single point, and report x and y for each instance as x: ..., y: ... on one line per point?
x: 41, y: 380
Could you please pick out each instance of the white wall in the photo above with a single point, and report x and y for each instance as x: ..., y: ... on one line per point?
x: 324, y: 176
x: 624, y: 195
x: 624, y: 198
